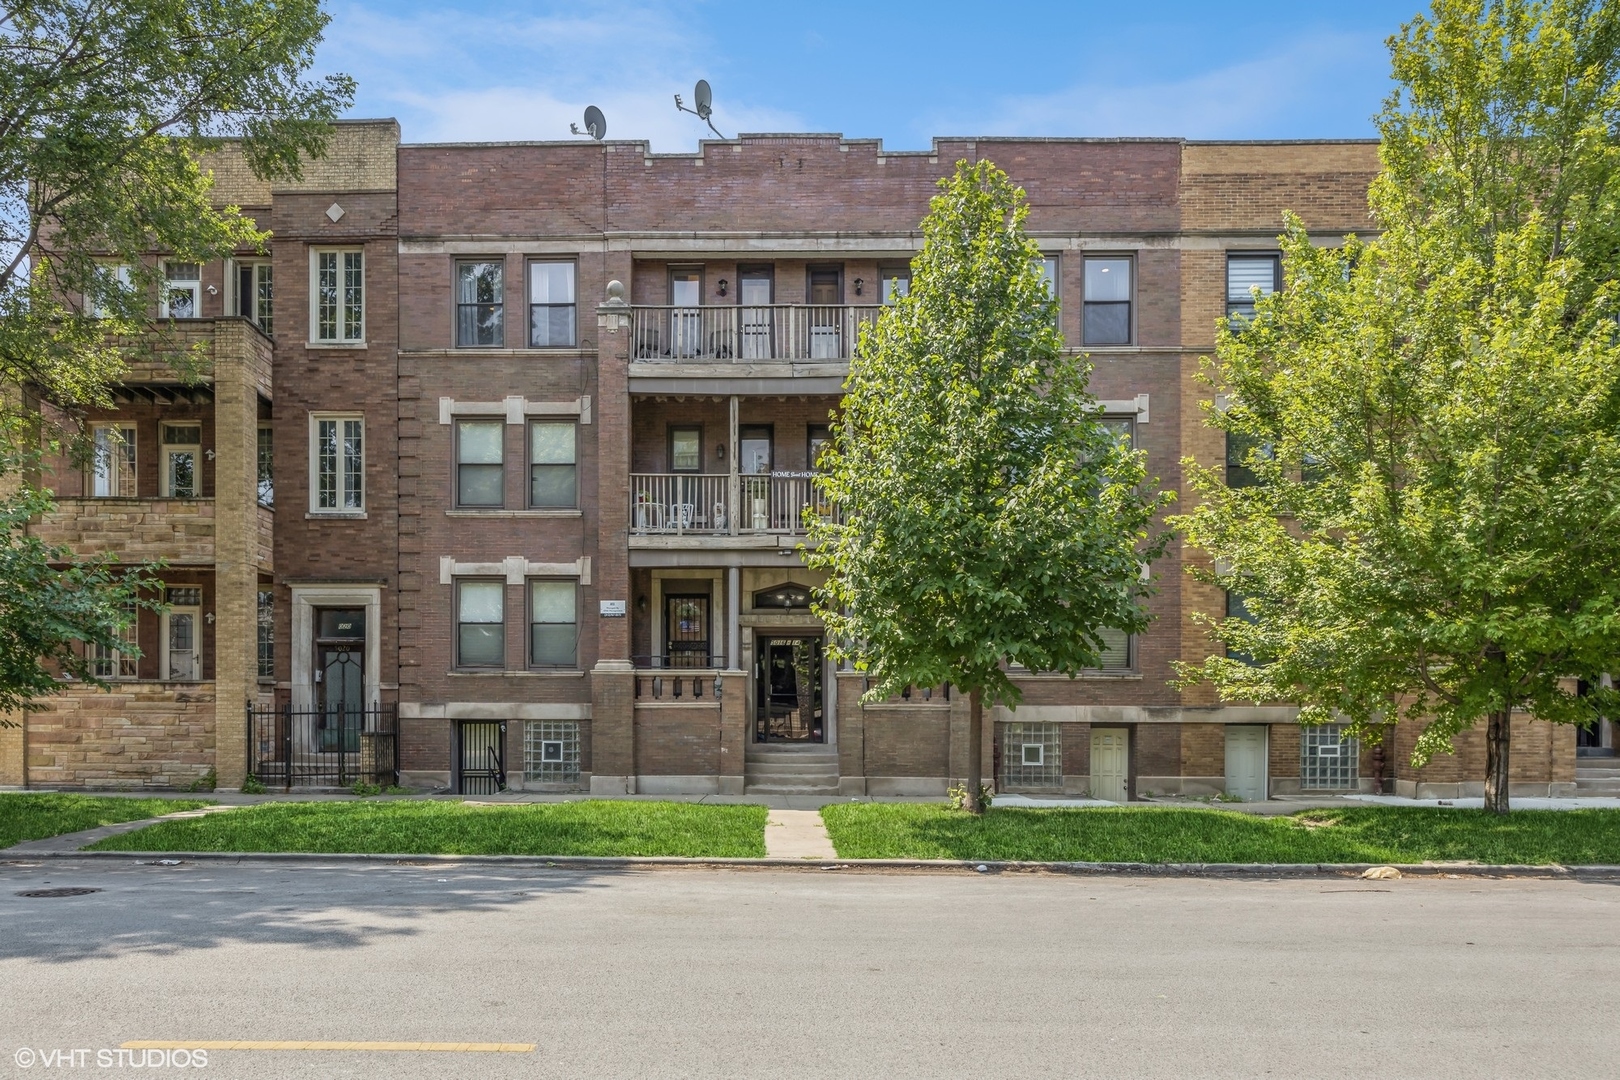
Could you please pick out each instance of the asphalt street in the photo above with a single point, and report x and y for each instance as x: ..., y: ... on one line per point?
x: 764, y: 973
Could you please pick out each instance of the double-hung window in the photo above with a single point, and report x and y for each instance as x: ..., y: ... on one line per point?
x: 553, y: 623
x: 1241, y: 451
x: 480, y: 304
x: 1117, y: 653
x: 182, y: 453
x: 339, y: 296
x: 551, y: 304
x: 1247, y: 276
x: 118, y: 661
x: 480, y: 463
x: 267, y: 466
x: 255, y: 294
x: 553, y: 467
x: 110, y: 278
x: 267, y: 633
x: 182, y: 291
x: 112, y: 461
x: 339, y: 464
x: 481, y: 623
x: 894, y: 282
x: 1237, y: 609
x: 1049, y: 274
x: 1106, y: 318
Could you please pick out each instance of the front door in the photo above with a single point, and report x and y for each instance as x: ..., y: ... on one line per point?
x: 340, y: 667
x: 754, y: 293
x: 1246, y: 762
x: 826, y: 317
x: 686, y: 631
x: 787, y: 690
x: 1110, y: 764
x: 481, y: 763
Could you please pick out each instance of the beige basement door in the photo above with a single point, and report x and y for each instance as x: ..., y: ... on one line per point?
x: 1246, y: 762
x: 1110, y: 764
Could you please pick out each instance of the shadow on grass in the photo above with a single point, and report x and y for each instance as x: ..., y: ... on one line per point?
x: 1173, y: 835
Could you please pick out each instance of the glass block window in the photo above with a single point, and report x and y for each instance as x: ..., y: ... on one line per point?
x: 1031, y: 756
x: 1328, y: 760
x: 551, y: 751
x: 267, y: 634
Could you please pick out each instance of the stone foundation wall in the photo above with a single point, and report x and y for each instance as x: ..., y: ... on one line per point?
x: 139, y: 735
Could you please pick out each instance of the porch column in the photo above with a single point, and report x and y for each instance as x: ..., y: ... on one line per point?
x: 733, y: 499
x: 734, y: 618
x: 236, y: 534
x: 613, y: 749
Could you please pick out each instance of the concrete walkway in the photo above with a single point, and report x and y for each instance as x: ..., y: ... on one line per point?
x: 797, y: 834
x: 84, y: 837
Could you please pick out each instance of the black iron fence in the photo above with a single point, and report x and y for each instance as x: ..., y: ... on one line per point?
x: 323, y: 747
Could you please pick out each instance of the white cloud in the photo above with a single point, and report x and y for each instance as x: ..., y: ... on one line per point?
x: 1326, y: 74
x: 455, y: 77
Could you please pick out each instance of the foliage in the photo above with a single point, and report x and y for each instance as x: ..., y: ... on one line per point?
x: 252, y: 785
x: 208, y: 781
x: 54, y: 609
x: 1434, y: 414
x: 364, y: 789
x: 38, y: 815
x: 1363, y: 834
x: 588, y: 827
x: 986, y: 518
x: 959, y: 796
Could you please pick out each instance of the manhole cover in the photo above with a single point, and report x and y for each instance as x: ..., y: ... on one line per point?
x: 58, y: 892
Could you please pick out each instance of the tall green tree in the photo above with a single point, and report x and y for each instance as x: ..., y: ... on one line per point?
x: 106, y: 112
x: 986, y: 518
x: 1434, y: 414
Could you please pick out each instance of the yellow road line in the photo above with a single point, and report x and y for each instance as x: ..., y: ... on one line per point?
x: 242, y: 1044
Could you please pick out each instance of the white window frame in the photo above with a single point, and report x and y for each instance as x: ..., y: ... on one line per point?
x: 342, y: 490
x: 119, y: 272
x: 172, y: 285
x: 259, y: 308
x: 165, y: 621
x: 166, y: 448
x: 344, y: 333
x: 114, y: 664
x: 116, y: 478
x: 1129, y: 303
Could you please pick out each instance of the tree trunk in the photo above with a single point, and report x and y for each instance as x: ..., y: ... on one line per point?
x: 1498, y: 740
x: 975, y: 749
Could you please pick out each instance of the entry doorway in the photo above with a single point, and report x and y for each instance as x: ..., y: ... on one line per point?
x: 1111, y: 764
x: 480, y: 757
x: 1246, y: 762
x: 788, y: 690
x: 340, y: 665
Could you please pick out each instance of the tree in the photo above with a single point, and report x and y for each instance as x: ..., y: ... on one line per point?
x: 986, y: 518
x: 106, y: 113
x: 1434, y: 414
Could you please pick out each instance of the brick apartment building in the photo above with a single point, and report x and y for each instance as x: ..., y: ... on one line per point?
x: 502, y: 462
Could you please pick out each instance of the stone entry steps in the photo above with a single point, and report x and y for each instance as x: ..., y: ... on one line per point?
x: 810, y: 769
x: 1598, y: 779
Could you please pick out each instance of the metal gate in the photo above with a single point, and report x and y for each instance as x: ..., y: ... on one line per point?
x: 333, y: 746
x: 481, y: 761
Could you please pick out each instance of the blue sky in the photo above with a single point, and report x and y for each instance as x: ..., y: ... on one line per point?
x: 901, y: 72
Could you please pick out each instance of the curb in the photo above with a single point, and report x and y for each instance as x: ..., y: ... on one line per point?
x: 949, y: 866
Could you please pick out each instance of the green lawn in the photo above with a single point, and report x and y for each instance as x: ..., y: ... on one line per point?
x: 1376, y: 834
x: 28, y: 816
x: 454, y: 828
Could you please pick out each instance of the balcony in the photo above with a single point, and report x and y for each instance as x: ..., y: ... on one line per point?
x: 782, y: 341
x: 762, y: 509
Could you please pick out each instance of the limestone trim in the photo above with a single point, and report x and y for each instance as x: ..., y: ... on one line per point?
x: 495, y: 710
x: 305, y: 599
x: 515, y: 408
x: 514, y: 568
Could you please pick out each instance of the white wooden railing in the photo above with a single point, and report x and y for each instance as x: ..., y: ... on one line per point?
x: 731, y: 333
x: 702, y: 504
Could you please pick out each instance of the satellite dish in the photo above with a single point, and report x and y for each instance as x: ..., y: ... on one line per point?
x: 595, y: 124
x: 703, y: 98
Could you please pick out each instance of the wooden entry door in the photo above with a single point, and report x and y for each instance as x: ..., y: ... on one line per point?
x: 1246, y: 762
x: 1110, y: 764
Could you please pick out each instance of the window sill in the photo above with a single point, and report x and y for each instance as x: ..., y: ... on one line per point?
x: 514, y: 513
x: 560, y: 673
x: 334, y: 345
x: 334, y: 515
x: 1084, y: 676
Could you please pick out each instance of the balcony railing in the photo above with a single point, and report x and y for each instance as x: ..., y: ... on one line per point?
x: 731, y: 333
x: 703, y: 504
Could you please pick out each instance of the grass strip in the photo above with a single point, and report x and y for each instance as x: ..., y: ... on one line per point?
x: 37, y: 815
x: 1375, y: 834
x: 591, y: 827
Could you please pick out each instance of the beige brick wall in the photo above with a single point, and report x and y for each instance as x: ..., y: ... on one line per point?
x: 140, y: 735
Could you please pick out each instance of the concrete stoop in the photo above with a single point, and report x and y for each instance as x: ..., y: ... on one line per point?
x: 790, y: 770
x: 1598, y: 779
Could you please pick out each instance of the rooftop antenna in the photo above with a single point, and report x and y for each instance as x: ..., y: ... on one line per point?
x: 595, y: 124
x: 703, y: 100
